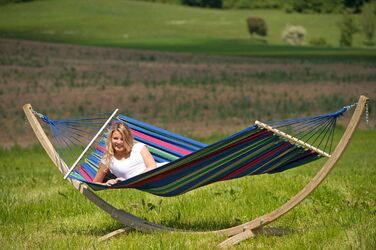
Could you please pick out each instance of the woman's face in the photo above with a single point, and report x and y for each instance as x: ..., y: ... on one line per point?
x: 117, y: 141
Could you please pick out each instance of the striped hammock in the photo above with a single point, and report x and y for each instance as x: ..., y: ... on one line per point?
x: 258, y: 149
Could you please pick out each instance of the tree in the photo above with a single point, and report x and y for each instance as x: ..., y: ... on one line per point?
x: 368, y: 21
x: 354, y: 4
x: 257, y: 25
x: 316, y: 6
x: 203, y: 3
x: 347, y: 28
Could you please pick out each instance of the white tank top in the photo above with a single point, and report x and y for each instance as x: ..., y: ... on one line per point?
x: 129, y: 167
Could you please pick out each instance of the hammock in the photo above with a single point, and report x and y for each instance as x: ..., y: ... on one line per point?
x: 257, y: 149
x: 261, y: 148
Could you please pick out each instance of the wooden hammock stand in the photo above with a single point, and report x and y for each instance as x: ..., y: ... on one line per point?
x: 236, y: 234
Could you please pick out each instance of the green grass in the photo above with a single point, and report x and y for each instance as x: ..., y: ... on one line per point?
x: 40, y: 210
x: 155, y: 26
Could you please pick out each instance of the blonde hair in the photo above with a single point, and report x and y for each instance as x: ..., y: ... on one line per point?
x: 126, y: 133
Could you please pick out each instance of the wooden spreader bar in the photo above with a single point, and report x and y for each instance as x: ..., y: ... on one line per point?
x: 291, y: 139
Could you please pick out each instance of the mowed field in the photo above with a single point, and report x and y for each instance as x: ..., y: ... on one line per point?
x: 196, y: 95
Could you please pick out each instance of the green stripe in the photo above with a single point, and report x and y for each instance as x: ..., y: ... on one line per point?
x: 195, y: 156
x: 216, y: 164
x: 163, y: 154
x: 235, y: 165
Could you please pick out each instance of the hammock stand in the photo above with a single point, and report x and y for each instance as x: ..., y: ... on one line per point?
x: 236, y: 234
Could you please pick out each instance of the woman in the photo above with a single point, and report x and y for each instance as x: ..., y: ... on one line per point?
x: 123, y: 158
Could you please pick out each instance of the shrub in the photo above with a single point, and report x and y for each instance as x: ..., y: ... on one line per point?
x: 203, y: 3
x: 242, y: 4
x: 354, y: 4
x: 318, y: 41
x: 294, y: 35
x: 368, y: 21
x: 316, y: 6
x: 257, y: 25
x: 3, y: 2
x: 254, y: 4
x: 347, y: 28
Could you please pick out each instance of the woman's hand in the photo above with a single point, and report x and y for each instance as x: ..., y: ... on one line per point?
x: 111, y: 182
x: 114, y: 181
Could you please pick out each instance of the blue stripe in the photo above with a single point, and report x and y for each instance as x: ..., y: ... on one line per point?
x: 172, y: 141
x: 162, y: 131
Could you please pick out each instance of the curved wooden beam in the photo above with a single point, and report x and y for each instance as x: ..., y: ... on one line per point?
x: 118, y: 214
x: 238, y: 233
x: 242, y: 231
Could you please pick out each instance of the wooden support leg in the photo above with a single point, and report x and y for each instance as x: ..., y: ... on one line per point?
x: 114, y: 233
x: 248, y: 233
x: 237, y: 238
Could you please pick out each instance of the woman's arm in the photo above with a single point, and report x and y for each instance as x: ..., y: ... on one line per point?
x: 102, y: 171
x: 148, y: 159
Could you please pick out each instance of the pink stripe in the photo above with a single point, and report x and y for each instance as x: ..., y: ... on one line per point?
x: 255, y: 161
x: 85, y: 175
x: 161, y: 143
x: 100, y: 148
x: 190, y: 163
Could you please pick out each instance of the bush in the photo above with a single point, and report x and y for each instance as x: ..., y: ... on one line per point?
x: 354, y: 4
x: 294, y: 35
x: 318, y: 41
x: 254, y: 4
x: 368, y: 19
x: 347, y: 28
x: 257, y: 25
x: 3, y: 2
x: 203, y: 3
x: 316, y: 6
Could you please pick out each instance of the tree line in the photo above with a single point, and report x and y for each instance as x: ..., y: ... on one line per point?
x: 300, y: 6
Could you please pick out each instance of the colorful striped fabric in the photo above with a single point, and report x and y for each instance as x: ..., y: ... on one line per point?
x: 191, y: 164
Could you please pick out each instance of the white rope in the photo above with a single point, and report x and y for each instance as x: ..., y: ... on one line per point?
x: 37, y: 114
x: 350, y: 106
x: 367, y: 114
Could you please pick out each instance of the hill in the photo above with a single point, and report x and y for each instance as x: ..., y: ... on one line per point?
x: 154, y: 26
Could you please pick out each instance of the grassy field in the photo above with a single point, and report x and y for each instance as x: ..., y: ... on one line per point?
x: 41, y: 211
x: 143, y: 25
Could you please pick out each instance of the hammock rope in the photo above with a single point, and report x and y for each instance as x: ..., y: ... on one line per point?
x: 259, y: 149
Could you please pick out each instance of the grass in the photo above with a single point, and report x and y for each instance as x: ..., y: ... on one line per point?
x: 145, y: 25
x: 40, y: 210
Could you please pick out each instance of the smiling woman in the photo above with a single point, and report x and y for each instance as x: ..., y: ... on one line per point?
x: 122, y: 157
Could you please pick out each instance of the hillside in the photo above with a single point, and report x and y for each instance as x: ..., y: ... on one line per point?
x: 200, y: 96
x: 155, y: 26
